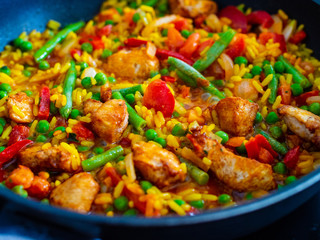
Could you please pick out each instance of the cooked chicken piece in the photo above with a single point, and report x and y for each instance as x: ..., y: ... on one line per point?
x: 109, y: 119
x: 77, y: 193
x: 20, y: 176
x: 246, y: 90
x: 51, y: 159
x: 240, y: 173
x: 105, y: 93
x: 303, y: 123
x: 20, y: 108
x: 192, y: 8
x: 156, y: 164
x: 236, y: 115
x: 131, y: 64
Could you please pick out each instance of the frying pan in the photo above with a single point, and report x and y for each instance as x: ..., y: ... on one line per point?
x: 17, y: 16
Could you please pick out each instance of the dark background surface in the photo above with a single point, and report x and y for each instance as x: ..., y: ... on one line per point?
x: 17, y: 16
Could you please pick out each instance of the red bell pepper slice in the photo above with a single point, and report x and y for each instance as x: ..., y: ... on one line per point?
x: 159, y: 97
x: 285, y: 92
x: 94, y: 40
x: 191, y: 45
x: 263, y: 142
x: 174, y: 39
x: 116, y: 178
x: 239, y: 20
x: 134, y: 42
x: 236, y: 47
x: 265, y: 156
x: 261, y: 18
x: 292, y: 157
x: 168, y: 79
x: 181, y: 24
x: 298, y: 37
x: 277, y: 38
x: 252, y: 148
x: 164, y: 54
x: 9, y: 152
x: 198, y: 21
x: 104, y: 31
x: 82, y: 132
x: 301, y: 100
x: 18, y: 133
x: 44, y: 106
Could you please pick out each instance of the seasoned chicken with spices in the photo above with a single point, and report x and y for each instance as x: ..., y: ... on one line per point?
x: 20, y: 108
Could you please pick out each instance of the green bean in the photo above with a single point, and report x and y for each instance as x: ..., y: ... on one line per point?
x: 101, y: 159
x: 296, y: 75
x: 201, y: 177
x: 273, y: 85
x: 137, y: 122
x: 48, y: 47
x: 68, y: 86
x: 278, y: 147
x: 190, y: 76
x: 129, y: 90
x: 214, y: 52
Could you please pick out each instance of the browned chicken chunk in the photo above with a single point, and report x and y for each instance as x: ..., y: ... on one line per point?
x: 20, y: 108
x: 236, y: 115
x: 192, y: 8
x: 156, y: 164
x: 105, y: 93
x: 109, y: 119
x: 77, y: 193
x: 131, y: 64
x: 240, y: 173
x: 303, y: 123
x: 51, y: 159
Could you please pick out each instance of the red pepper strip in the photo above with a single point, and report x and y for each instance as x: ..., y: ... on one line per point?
x: 181, y: 24
x: 239, y: 20
x: 116, y: 178
x: 285, y: 92
x: 277, y: 38
x: 44, y: 106
x: 17, y: 134
x: 94, y: 40
x: 82, y: 132
x: 301, y: 100
x: 236, y: 47
x: 191, y: 45
x: 196, y: 146
x: 164, y: 54
x: 298, y: 37
x: 265, y: 156
x: 168, y: 79
x: 260, y: 17
x: 134, y: 42
x: 292, y: 157
x: 263, y: 142
x: 252, y: 148
x: 12, y: 150
x: 2, y: 174
x: 104, y: 31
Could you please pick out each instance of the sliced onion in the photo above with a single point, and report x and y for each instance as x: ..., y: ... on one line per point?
x: 313, y: 99
x: 289, y: 29
x: 151, y: 50
x: 130, y: 168
x: 228, y: 65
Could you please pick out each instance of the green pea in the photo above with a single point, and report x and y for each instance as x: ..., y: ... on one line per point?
x: 145, y: 185
x: 5, y: 87
x: 153, y: 74
x: 83, y: 148
x: 3, y: 122
x: 26, y: 46
x: 44, y: 65
x: 179, y: 202
x: 242, y: 149
x: 74, y: 113
x: 87, y: 47
x: 178, y: 130
x: 121, y: 203
x: 218, y: 83
x: 130, y: 212
x: 164, y: 32
x: 241, y: 60
x: 45, y: 201
x: 101, y: 78
x: 112, y: 80
x: 151, y: 134
x: 256, y: 70
x: 304, y: 107
x: 26, y: 73
x: 61, y: 128
x: 161, y: 141
x: 17, y: 42
x: 109, y: 22
x: 53, y: 108
x: 116, y: 40
x: 280, y: 168
x: 224, y: 198
x: 83, y: 66
x: 164, y: 72
x: 1, y: 129
x: 163, y: 7
x: 290, y: 179
x: 280, y: 186
x: 223, y: 135
x: 41, y: 138
x: 2, y: 148
x: 315, y: 108
x: 272, y: 118
x: 5, y: 70
x: 86, y: 82
x: 3, y: 94
x: 258, y: 118
x: 265, y: 62
x: 247, y: 76
x: 133, y: 5
x: 279, y: 67
x: 43, y: 126
x: 197, y: 204
x: 50, y: 134
x: 20, y: 191
x: 275, y: 131
x: 130, y: 98
x: 106, y: 53
x: 296, y: 89
x: 136, y: 17
x: 96, y: 96
x: 120, y: 11
x: 98, y: 150
x: 249, y: 196
x: 185, y: 33
x: 175, y: 114
x: 29, y: 93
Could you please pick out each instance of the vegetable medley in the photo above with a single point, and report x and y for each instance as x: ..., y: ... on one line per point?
x: 159, y: 108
